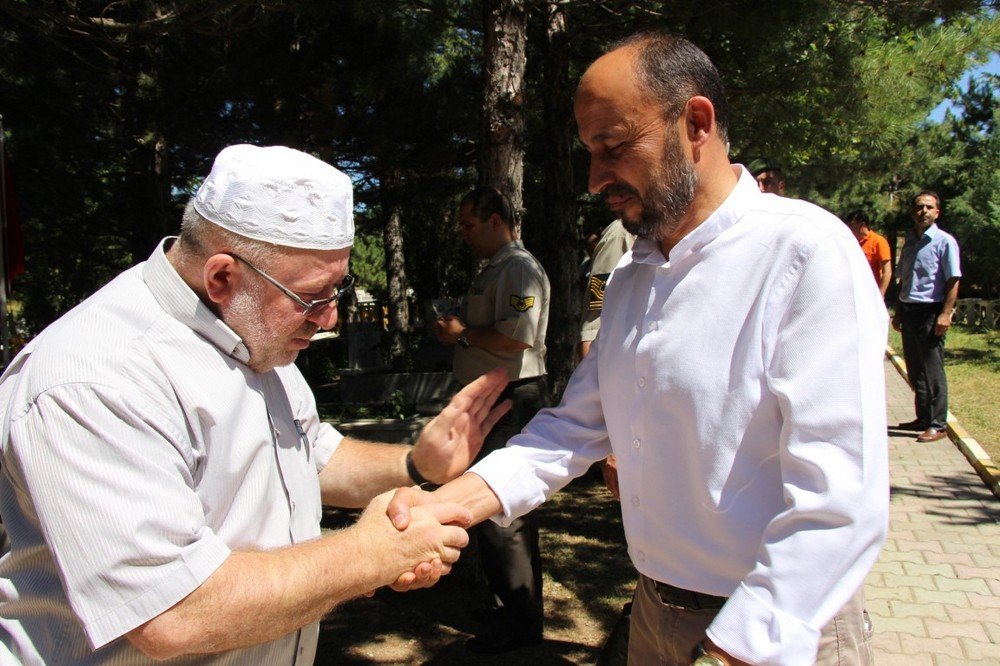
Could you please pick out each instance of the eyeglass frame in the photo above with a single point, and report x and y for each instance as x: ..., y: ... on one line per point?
x: 308, y: 307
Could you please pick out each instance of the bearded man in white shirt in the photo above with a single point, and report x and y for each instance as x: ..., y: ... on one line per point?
x: 164, y: 464
x: 737, y: 378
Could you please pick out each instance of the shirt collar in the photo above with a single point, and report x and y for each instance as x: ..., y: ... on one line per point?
x: 506, y: 250
x: 932, y: 231
x: 726, y: 215
x: 181, y: 303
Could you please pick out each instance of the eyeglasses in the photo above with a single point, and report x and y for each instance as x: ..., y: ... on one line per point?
x: 308, y: 307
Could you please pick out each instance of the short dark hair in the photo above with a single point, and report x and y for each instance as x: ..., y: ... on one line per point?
x: 486, y: 201
x: 672, y: 70
x: 926, y: 193
x: 858, y: 216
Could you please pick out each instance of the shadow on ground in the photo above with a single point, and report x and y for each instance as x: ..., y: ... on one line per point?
x: 587, y: 579
x: 962, y: 499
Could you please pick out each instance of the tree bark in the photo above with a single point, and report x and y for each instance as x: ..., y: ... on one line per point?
x: 504, y: 58
x: 395, y: 268
x: 560, y: 202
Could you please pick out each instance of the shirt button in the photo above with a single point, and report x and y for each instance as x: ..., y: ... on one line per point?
x: 642, y: 382
x: 651, y: 326
x: 636, y: 443
x: 635, y: 500
x: 293, y: 505
x: 641, y: 556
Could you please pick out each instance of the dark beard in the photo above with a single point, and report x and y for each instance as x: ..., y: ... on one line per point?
x: 669, y: 196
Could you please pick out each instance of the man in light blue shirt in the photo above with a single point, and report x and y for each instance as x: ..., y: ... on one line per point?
x: 929, y: 273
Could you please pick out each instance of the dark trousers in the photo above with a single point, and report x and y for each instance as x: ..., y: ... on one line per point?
x: 924, y: 355
x: 510, y: 556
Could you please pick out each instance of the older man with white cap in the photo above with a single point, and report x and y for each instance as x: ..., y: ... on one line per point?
x: 163, y: 462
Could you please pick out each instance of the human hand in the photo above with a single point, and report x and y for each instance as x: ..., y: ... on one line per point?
x: 399, y: 513
x: 609, y: 470
x: 418, y: 553
x: 448, y: 329
x: 942, y: 324
x: 450, y: 442
x: 897, y: 323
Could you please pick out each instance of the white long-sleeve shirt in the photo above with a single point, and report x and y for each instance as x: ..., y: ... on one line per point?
x: 739, y: 382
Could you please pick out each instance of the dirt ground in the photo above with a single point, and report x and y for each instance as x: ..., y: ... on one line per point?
x: 587, y: 579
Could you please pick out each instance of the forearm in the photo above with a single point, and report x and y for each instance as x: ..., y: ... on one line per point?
x: 255, y: 597
x: 883, y: 285
x: 358, y: 470
x: 950, y: 295
x: 471, y: 492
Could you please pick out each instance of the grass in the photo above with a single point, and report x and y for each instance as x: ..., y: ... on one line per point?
x: 972, y: 362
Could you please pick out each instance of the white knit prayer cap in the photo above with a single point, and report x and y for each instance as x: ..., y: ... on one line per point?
x: 279, y: 195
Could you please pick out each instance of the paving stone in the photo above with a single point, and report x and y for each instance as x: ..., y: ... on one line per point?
x: 956, y: 598
x: 903, y: 609
x: 935, y: 570
x: 966, y: 559
x: 984, y: 600
x: 985, y: 652
x: 964, y: 584
x: 930, y: 646
x: 986, y: 561
x: 903, y: 660
x: 913, y: 627
x: 889, y: 592
x: 912, y: 556
x: 940, y: 629
x: 916, y: 582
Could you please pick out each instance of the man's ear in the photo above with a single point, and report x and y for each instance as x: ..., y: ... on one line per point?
x: 700, y: 120
x: 221, y: 278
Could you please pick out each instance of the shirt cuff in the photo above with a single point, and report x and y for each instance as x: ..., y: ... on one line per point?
x: 753, y: 630
x: 513, y: 484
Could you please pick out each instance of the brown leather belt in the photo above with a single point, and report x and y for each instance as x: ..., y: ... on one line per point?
x: 688, y: 599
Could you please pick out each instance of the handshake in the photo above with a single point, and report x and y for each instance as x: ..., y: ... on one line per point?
x: 415, y: 537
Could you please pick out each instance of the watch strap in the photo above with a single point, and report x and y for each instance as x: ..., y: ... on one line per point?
x: 412, y: 470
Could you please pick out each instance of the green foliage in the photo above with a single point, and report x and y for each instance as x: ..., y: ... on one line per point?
x: 114, y: 115
x: 368, y: 263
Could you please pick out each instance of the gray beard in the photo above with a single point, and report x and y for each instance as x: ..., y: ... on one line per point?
x: 669, y: 196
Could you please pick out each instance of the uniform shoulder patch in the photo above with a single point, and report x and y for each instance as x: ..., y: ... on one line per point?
x: 595, y: 292
x: 522, y: 303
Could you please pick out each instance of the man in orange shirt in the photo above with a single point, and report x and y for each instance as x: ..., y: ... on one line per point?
x: 875, y: 247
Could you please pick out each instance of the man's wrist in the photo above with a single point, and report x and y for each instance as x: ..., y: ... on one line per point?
x: 702, y: 657
x: 411, y: 469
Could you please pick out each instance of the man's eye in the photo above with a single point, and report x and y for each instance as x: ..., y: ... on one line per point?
x: 616, y: 149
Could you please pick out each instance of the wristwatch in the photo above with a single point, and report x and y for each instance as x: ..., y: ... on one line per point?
x: 464, y: 341
x: 704, y: 658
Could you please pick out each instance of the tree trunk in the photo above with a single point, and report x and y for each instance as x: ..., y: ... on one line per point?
x: 395, y: 268
x: 560, y: 202
x: 502, y: 152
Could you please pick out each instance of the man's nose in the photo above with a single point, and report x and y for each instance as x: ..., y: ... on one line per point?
x: 324, y: 317
x: 600, y: 175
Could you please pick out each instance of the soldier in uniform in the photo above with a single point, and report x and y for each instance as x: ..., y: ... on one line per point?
x: 502, y: 322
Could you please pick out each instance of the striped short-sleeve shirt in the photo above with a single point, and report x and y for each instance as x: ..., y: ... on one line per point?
x: 139, y: 450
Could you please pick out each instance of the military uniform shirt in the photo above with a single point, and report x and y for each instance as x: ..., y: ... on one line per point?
x: 511, y: 295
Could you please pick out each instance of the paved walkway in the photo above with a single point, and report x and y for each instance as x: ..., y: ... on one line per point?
x: 934, y: 595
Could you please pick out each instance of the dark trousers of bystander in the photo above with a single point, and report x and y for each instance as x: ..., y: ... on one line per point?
x: 510, y: 556
x: 923, y: 352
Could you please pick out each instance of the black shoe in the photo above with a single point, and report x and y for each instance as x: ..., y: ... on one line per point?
x: 493, y: 643
x: 916, y: 425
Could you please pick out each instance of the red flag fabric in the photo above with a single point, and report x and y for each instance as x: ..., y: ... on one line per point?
x: 13, y: 239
